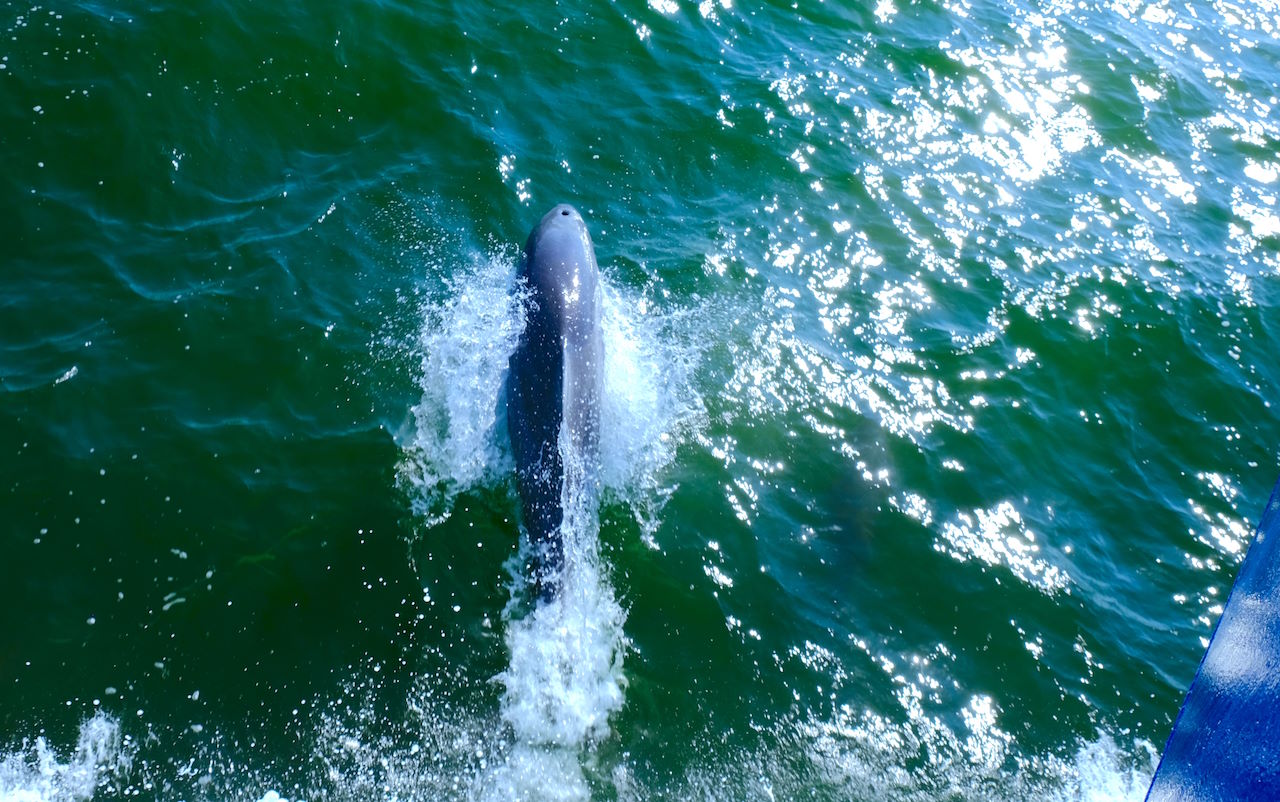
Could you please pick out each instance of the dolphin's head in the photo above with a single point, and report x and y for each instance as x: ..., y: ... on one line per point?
x: 559, y: 260
x: 562, y: 231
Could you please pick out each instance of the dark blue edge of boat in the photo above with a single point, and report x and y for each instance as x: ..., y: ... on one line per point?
x: 1225, y: 743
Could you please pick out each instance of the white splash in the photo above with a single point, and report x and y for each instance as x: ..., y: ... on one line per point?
x: 465, y: 343
x: 564, y: 678
x: 563, y: 681
x: 455, y: 438
x: 37, y: 772
x: 650, y: 405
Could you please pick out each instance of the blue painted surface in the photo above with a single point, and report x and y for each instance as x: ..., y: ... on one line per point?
x: 1224, y: 744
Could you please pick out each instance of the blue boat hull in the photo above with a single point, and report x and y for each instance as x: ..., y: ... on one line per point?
x: 1226, y: 741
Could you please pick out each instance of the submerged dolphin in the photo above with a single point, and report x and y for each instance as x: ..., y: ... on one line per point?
x: 554, y: 385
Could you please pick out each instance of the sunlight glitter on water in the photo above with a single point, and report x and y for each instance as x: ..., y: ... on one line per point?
x: 998, y: 195
x: 998, y: 536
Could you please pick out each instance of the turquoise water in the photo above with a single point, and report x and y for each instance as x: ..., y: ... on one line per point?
x: 938, y: 410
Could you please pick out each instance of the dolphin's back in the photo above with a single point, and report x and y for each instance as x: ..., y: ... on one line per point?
x: 555, y: 383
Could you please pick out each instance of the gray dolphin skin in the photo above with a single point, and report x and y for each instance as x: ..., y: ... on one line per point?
x: 554, y: 384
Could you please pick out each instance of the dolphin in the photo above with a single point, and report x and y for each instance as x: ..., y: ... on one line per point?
x: 554, y: 385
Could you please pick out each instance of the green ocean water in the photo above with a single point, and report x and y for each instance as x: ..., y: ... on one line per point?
x: 939, y: 393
